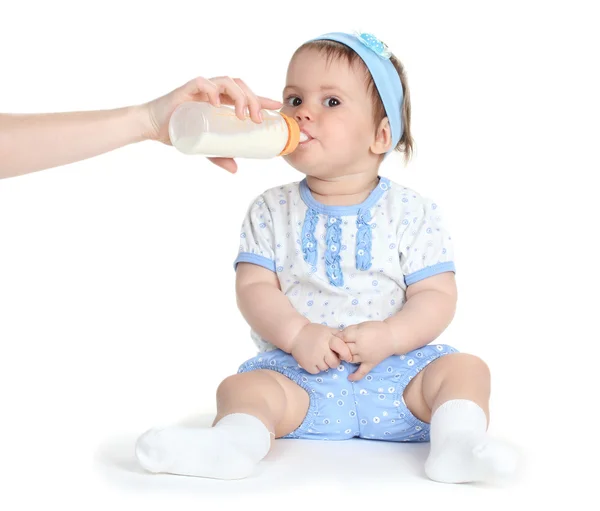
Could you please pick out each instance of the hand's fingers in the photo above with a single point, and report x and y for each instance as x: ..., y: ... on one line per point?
x: 228, y: 164
x: 350, y: 333
x: 251, y: 99
x: 227, y: 86
x: 361, y: 372
x: 321, y: 366
x: 341, y: 348
x: 311, y: 369
x: 203, y: 86
x: 356, y: 359
x: 332, y: 360
x: 269, y: 104
x: 340, y: 334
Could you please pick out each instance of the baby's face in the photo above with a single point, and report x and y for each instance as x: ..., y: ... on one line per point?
x: 331, y: 103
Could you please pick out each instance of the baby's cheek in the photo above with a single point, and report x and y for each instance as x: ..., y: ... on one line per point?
x: 358, y: 142
x: 345, y: 138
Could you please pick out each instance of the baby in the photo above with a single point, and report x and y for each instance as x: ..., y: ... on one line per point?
x: 346, y: 278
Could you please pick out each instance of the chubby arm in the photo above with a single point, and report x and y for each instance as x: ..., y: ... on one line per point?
x: 430, y: 307
x: 266, y: 309
x: 428, y: 310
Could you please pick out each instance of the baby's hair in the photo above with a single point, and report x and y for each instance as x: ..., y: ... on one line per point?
x: 334, y: 50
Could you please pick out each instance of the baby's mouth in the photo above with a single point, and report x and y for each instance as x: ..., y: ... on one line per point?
x: 305, y: 137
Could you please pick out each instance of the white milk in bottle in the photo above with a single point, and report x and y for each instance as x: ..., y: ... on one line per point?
x: 200, y: 128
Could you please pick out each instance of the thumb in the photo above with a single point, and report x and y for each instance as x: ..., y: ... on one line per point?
x: 361, y: 372
x: 341, y: 348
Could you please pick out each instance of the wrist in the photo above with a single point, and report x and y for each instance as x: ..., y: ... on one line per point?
x: 142, y: 125
x: 294, y: 332
x: 398, y: 334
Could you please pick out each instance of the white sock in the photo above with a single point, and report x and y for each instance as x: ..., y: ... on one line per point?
x: 461, y: 450
x: 229, y: 450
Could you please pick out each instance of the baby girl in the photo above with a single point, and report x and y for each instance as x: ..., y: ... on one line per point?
x: 346, y: 280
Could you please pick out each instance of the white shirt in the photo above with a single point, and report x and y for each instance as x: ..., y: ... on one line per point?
x: 343, y: 265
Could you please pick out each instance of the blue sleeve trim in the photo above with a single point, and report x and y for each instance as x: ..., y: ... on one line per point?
x: 248, y: 257
x: 429, y: 271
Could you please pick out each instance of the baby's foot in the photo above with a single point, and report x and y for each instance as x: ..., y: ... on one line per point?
x: 230, y: 450
x: 463, y: 458
x: 461, y: 450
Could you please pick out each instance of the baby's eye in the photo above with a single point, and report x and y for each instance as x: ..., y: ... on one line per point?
x: 331, y: 102
x: 293, y: 101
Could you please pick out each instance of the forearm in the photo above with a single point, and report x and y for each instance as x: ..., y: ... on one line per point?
x: 38, y: 141
x: 421, y: 320
x: 269, y: 312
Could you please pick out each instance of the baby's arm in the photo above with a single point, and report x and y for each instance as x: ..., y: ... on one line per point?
x: 429, y: 309
x: 427, y: 262
x: 269, y: 312
x: 266, y: 309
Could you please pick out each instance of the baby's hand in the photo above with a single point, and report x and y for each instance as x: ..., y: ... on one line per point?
x: 370, y: 343
x: 316, y: 348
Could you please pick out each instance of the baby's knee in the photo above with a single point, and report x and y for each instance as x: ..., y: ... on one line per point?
x: 456, y: 367
x: 469, y: 363
x: 256, y: 384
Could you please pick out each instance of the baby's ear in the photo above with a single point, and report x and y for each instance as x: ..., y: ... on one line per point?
x: 383, y: 137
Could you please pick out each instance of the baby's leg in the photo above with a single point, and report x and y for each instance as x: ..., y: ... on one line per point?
x: 452, y: 393
x: 252, y: 408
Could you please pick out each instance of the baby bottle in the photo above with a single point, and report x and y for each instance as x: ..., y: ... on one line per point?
x: 201, y: 128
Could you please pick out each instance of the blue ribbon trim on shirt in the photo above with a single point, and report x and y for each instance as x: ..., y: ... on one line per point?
x: 333, y: 236
x: 309, y: 243
x: 363, y: 240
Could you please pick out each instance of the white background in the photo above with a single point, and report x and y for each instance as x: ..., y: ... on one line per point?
x: 117, y: 305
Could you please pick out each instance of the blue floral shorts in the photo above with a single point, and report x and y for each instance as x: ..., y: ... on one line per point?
x: 371, y: 408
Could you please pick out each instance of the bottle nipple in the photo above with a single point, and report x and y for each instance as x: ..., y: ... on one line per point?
x: 293, y: 137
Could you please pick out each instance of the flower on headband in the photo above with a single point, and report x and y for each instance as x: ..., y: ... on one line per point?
x: 374, y: 44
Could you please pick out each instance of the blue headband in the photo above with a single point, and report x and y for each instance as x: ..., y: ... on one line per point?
x: 376, y: 57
